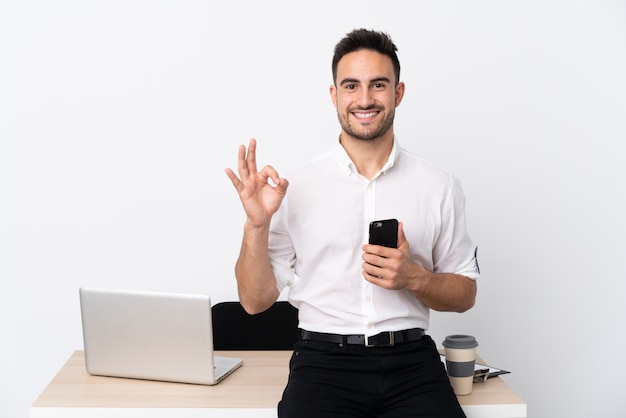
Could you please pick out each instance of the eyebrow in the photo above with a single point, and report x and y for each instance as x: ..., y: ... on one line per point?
x: 354, y: 80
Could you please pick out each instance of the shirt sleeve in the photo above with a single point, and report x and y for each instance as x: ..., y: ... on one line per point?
x: 281, y: 251
x: 454, y: 251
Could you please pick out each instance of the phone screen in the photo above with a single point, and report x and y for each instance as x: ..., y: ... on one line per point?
x: 384, y: 232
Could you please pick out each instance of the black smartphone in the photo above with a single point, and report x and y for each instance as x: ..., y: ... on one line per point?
x: 384, y: 232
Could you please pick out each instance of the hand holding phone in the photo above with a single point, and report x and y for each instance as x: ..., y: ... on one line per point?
x: 384, y: 232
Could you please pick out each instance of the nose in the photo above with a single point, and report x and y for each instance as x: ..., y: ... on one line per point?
x: 365, y: 98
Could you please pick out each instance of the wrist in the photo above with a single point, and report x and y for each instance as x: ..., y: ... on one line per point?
x: 254, y: 231
x: 419, y: 280
x: 256, y: 225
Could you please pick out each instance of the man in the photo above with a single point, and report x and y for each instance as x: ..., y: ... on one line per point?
x: 362, y: 308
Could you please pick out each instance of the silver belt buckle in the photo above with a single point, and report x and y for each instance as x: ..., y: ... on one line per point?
x: 389, y: 344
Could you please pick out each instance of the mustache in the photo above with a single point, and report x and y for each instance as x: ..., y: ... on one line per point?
x: 365, y: 109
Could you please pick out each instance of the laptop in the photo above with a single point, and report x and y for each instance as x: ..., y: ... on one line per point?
x: 151, y: 335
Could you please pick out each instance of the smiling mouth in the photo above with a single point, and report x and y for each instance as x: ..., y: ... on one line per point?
x: 365, y: 115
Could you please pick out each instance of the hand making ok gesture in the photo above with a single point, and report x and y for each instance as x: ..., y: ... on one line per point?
x: 260, y: 199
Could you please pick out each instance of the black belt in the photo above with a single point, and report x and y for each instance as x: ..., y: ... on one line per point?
x: 379, y: 340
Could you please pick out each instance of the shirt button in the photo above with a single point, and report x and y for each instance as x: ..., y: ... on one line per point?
x: 368, y: 298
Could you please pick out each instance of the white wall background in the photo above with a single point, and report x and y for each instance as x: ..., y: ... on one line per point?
x: 117, y: 119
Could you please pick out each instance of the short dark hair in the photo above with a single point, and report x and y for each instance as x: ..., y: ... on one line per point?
x: 360, y: 39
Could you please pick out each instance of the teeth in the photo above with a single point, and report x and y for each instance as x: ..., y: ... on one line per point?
x: 365, y: 115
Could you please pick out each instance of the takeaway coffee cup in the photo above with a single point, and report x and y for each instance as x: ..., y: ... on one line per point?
x: 460, y: 352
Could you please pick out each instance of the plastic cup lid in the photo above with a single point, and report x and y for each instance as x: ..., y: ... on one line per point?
x: 460, y: 341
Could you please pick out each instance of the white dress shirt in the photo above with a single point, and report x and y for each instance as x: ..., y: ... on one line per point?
x: 317, y: 234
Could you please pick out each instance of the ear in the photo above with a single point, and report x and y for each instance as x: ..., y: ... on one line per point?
x: 399, y: 93
x: 333, y: 95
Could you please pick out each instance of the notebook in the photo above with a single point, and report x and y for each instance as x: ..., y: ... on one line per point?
x: 151, y: 335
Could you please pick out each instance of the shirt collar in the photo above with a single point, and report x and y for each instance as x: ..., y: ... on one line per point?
x: 348, y: 167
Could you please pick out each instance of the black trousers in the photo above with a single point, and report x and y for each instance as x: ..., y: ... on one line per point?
x: 406, y: 380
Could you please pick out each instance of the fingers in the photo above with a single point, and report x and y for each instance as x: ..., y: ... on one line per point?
x: 373, y: 270
x: 246, y: 162
x: 380, y: 261
x: 247, y: 168
x: 375, y: 264
x: 233, y: 178
x: 250, y: 158
x: 377, y: 250
x: 382, y: 272
x: 269, y: 172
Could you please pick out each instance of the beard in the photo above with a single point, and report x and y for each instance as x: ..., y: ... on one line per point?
x: 367, y: 132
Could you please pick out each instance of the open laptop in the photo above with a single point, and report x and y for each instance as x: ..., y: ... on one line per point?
x: 151, y: 335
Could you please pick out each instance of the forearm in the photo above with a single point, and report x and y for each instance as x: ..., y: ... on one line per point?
x: 256, y: 283
x: 445, y: 292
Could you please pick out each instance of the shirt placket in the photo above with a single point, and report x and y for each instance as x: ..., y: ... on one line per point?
x: 367, y: 288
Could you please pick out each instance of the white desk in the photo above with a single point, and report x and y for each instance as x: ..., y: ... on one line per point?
x: 252, y: 391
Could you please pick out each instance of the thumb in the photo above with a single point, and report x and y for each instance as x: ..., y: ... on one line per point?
x: 403, y: 243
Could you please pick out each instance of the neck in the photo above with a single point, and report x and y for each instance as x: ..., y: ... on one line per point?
x: 368, y: 155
